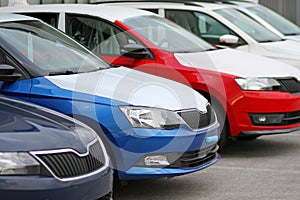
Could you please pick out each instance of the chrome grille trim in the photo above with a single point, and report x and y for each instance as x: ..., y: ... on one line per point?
x: 190, y: 120
x: 37, y: 154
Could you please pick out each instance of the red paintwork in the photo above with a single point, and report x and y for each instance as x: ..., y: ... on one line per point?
x: 219, y: 85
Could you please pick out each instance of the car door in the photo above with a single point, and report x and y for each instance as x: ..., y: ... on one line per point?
x: 107, y: 41
x: 202, y: 25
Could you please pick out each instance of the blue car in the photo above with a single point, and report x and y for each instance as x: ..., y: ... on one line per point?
x: 46, y: 155
x: 151, y: 127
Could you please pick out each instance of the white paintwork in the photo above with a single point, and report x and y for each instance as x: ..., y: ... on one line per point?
x: 294, y: 37
x: 283, y: 51
x: 242, y: 6
x: 133, y: 87
x: 287, y: 51
x: 238, y: 63
x: 12, y: 17
x: 104, y: 11
x: 229, y: 39
x: 260, y: 20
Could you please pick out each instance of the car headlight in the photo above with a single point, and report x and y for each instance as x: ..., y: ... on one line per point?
x: 18, y: 163
x: 266, y: 84
x: 144, y: 117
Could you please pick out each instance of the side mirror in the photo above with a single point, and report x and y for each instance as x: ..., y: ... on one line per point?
x: 229, y: 39
x: 7, y: 73
x: 135, y: 51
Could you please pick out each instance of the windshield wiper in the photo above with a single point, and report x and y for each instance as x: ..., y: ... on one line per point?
x: 67, y: 72
x: 292, y: 34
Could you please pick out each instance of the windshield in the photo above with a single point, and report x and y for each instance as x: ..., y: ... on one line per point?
x: 248, y: 25
x: 167, y: 35
x: 280, y: 23
x: 50, y: 51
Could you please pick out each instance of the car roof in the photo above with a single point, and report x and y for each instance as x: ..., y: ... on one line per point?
x: 165, y: 3
x: 110, y: 13
x: 6, y: 17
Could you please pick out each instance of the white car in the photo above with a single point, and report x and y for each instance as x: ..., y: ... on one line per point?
x: 225, y: 25
x: 269, y: 19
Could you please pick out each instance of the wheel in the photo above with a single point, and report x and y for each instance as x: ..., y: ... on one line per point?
x: 224, y: 125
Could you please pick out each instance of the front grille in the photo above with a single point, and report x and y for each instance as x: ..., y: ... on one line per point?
x: 290, y: 85
x: 69, y: 164
x: 196, y: 158
x: 196, y: 119
x: 291, y: 118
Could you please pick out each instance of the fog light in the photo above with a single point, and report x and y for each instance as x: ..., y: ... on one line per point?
x: 266, y: 119
x: 262, y: 119
x: 156, y: 160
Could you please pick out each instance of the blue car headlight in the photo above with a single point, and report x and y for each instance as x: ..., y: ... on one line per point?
x: 18, y: 163
x: 155, y: 118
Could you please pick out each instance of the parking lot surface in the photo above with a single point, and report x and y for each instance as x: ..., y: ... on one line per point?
x: 265, y: 168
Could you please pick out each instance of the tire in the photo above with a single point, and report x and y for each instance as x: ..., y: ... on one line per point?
x: 224, y: 125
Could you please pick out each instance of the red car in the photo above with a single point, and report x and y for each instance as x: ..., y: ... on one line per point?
x: 252, y: 95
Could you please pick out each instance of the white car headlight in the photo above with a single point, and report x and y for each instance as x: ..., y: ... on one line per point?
x: 266, y: 84
x: 18, y: 163
x: 144, y: 117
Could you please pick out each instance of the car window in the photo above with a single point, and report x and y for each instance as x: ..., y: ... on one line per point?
x: 200, y: 24
x: 49, y: 51
x: 248, y: 25
x: 276, y: 20
x: 49, y: 18
x: 99, y: 36
x: 167, y: 35
x: 151, y: 10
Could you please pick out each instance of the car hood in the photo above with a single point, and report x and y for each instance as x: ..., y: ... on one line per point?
x: 293, y: 37
x: 28, y: 128
x: 237, y: 63
x: 287, y: 51
x: 133, y: 87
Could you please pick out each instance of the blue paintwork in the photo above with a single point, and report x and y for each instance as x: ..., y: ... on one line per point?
x: 24, y: 128
x: 157, y: 172
x: 37, y: 187
x: 123, y: 139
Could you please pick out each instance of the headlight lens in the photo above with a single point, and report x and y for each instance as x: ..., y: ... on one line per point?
x: 18, y: 163
x: 143, y: 117
x: 264, y: 84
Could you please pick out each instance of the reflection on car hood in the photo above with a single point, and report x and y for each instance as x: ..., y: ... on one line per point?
x: 133, y: 87
x: 287, y: 49
x: 237, y: 63
x: 294, y: 37
x: 27, y: 128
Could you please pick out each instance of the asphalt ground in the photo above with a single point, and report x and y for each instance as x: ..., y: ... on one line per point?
x: 267, y: 168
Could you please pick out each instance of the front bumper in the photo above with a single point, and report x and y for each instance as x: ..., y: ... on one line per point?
x: 41, y: 187
x: 133, y: 146
x: 271, y: 132
x: 264, y: 103
x: 169, y: 171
